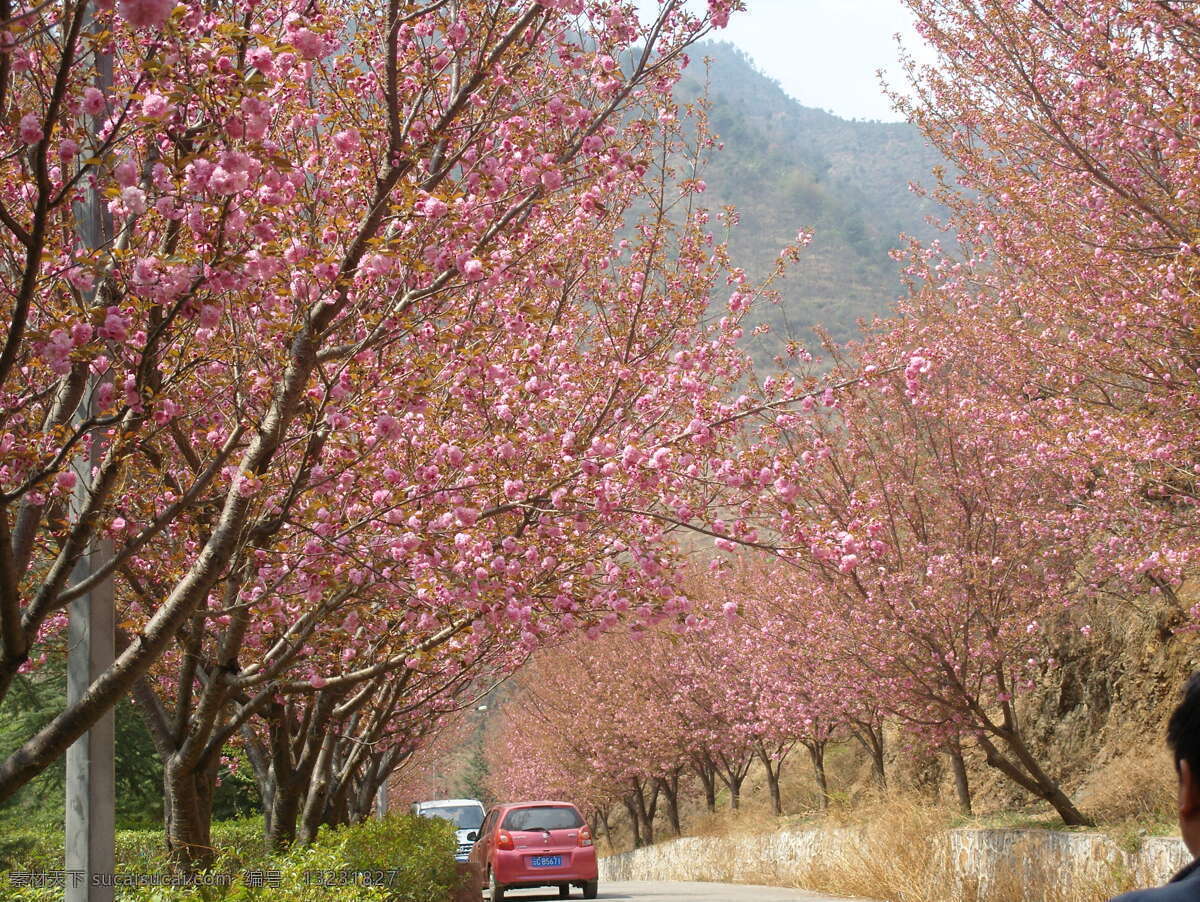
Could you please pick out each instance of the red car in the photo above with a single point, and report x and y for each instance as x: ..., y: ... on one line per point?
x: 536, y: 844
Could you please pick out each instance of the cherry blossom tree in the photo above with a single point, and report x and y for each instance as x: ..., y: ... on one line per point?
x: 940, y: 557
x: 324, y: 239
x: 1074, y: 128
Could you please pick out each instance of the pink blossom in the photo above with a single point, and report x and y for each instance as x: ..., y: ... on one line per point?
x: 917, y: 365
x: 433, y: 207
x: 262, y: 59
x: 307, y: 43
x: 347, y: 140
x: 57, y: 352
x: 375, y: 265
x: 31, y: 129
x: 388, y: 427
x: 125, y: 173
x: 145, y: 270
x: 116, y: 325
x: 155, y: 106
x: 145, y: 13
x: 133, y: 201
x: 472, y: 269
x: 718, y: 11
x: 81, y: 333
x: 93, y: 101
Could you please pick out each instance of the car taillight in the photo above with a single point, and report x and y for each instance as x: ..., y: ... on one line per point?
x: 585, y: 837
x: 504, y: 840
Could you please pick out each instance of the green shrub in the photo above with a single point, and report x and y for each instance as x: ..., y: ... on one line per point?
x: 398, y: 859
x: 240, y: 842
x: 30, y: 849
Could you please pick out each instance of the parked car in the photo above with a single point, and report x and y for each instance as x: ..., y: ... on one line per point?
x: 466, y: 815
x: 536, y: 844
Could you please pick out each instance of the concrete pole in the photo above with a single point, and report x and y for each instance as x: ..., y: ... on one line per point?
x: 91, y: 771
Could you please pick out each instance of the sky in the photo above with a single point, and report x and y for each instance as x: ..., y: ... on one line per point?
x: 825, y: 53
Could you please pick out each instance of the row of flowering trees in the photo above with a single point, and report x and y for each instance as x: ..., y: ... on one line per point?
x: 1021, y: 446
x: 321, y: 342
x: 637, y: 719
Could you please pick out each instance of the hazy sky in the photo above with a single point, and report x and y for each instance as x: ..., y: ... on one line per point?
x: 825, y: 52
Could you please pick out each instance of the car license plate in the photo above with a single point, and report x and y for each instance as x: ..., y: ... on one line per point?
x: 545, y: 861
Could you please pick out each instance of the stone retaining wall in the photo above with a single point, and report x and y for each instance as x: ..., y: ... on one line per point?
x: 982, y: 855
x: 971, y: 859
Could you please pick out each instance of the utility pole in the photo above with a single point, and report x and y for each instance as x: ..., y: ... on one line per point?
x: 91, y: 771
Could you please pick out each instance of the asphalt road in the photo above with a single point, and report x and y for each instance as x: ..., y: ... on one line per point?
x: 681, y: 892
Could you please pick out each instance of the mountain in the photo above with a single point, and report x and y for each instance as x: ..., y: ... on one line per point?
x: 786, y: 167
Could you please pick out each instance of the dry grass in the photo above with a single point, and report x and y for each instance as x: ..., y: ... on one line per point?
x: 734, y: 823
x: 898, y: 857
x: 900, y: 851
x: 1136, y: 787
x: 903, y: 857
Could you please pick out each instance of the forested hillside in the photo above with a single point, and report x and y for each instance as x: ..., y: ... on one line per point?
x: 786, y: 167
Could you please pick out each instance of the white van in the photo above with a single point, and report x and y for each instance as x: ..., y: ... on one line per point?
x: 465, y: 814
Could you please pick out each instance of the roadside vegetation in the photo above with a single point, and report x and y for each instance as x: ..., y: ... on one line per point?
x: 373, y: 354
x: 400, y: 858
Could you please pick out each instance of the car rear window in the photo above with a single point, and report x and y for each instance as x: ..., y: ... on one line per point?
x: 543, y: 817
x: 465, y: 817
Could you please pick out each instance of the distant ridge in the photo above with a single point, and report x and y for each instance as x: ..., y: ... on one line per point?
x: 786, y: 166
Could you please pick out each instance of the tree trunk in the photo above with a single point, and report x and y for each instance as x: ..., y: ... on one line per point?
x: 634, y: 823
x: 670, y: 789
x: 773, y: 787
x: 337, y: 811
x: 187, y: 802
x: 602, y: 821
x: 285, y: 813
x: 870, y: 736
x: 707, y: 773
x: 1027, y: 773
x: 961, y: 787
x: 296, y: 737
x: 645, y: 808
x: 733, y: 775
x: 315, y: 801
x: 262, y: 776
x: 773, y: 767
x: 816, y: 751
